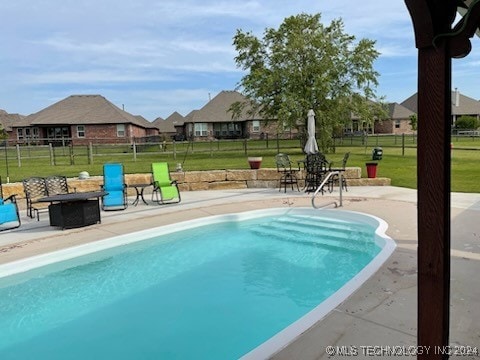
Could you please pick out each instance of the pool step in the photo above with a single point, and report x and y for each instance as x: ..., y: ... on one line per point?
x: 325, y: 223
x: 318, y: 234
x: 330, y: 227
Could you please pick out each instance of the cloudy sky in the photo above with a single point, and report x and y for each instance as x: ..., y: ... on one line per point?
x: 154, y: 57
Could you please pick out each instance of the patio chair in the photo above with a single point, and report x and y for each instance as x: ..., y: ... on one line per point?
x: 9, y: 216
x: 56, y: 184
x: 335, y: 178
x: 165, y: 190
x: 316, y: 167
x: 34, y: 189
x: 114, y: 185
x: 288, y: 175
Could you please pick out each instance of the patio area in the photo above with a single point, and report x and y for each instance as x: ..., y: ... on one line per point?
x: 381, y: 313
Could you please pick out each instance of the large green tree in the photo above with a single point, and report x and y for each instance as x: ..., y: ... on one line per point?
x: 305, y: 65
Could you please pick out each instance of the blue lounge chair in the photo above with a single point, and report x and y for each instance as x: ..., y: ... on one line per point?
x: 114, y: 185
x: 9, y: 216
x: 165, y: 191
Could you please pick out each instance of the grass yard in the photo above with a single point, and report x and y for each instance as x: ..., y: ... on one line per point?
x: 399, y: 167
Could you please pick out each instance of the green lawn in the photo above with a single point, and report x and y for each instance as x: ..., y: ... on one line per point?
x: 398, y: 166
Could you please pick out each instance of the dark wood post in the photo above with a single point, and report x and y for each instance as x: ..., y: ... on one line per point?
x: 433, y: 183
x: 437, y: 43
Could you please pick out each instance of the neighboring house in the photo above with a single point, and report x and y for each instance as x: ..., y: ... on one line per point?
x: 461, y: 106
x: 7, y: 120
x: 398, y: 121
x: 172, y: 126
x: 81, y: 119
x: 216, y: 121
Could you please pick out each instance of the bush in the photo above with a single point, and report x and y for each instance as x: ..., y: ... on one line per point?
x: 467, y: 123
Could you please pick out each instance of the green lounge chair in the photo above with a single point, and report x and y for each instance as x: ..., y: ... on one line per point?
x: 165, y: 191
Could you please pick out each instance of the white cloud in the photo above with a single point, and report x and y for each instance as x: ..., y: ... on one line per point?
x: 166, y: 55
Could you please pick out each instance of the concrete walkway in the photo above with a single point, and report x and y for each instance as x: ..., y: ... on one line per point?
x: 381, y: 313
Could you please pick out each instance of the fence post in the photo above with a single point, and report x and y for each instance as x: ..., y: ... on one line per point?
x: 72, y: 155
x: 19, y: 156
x: 278, y: 144
x: 90, y: 153
x: 211, y: 148
x: 134, y: 146
x: 52, y: 154
x: 174, y: 146
x: 403, y: 144
x: 6, y: 161
x: 245, y: 146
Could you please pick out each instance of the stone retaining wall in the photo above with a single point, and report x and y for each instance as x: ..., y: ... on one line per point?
x: 205, y: 180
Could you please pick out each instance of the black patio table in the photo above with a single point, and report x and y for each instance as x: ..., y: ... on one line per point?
x: 75, y: 209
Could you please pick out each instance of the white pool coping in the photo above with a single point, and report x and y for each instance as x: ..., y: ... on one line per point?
x: 284, y: 337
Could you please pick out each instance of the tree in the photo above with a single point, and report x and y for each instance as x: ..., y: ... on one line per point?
x: 305, y: 65
x: 467, y: 123
x: 413, y: 121
x: 3, y: 133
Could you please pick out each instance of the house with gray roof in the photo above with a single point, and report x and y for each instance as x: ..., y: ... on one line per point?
x: 461, y: 106
x: 398, y: 121
x: 81, y: 119
x: 171, y: 127
x: 216, y: 120
x: 7, y: 120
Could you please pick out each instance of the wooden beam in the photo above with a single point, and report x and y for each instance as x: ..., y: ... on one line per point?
x: 432, y: 21
x: 433, y: 179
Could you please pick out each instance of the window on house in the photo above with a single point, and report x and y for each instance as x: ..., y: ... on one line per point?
x: 255, y: 126
x: 81, y: 131
x: 121, y: 130
x: 397, y: 124
x: 201, y: 129
x: 27, y: 133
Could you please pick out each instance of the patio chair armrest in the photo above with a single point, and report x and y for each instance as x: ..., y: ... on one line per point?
x: 174, y: 182
x: 11, y: 198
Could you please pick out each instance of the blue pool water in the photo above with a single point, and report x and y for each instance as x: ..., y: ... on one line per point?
x: 209, y: 292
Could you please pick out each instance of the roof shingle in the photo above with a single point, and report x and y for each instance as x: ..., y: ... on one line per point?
x: 84, y: 110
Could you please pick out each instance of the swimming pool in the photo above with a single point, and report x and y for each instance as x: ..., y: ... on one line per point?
x: 199, y: 293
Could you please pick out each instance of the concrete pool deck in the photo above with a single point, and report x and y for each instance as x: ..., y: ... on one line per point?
x: 381, y: 313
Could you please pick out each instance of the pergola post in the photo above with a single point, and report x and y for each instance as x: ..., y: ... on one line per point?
x: 437, y: 43
x: 433, y: 184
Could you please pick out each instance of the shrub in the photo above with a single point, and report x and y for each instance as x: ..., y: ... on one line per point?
x: 467, y: 123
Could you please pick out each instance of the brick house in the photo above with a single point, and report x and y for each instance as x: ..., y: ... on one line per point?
x: 461, y: 106
x: 7, y: 120
x: 216, y: 121
x: 79, y: 120
x: 172, y: 127
x: 398, y: 121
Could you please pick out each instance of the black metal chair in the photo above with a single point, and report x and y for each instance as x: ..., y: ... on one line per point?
x: 316, y: 168
x: 288, y: 175
x: 34, y: 189
x: 56, y: 184
x: 334, y: 180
